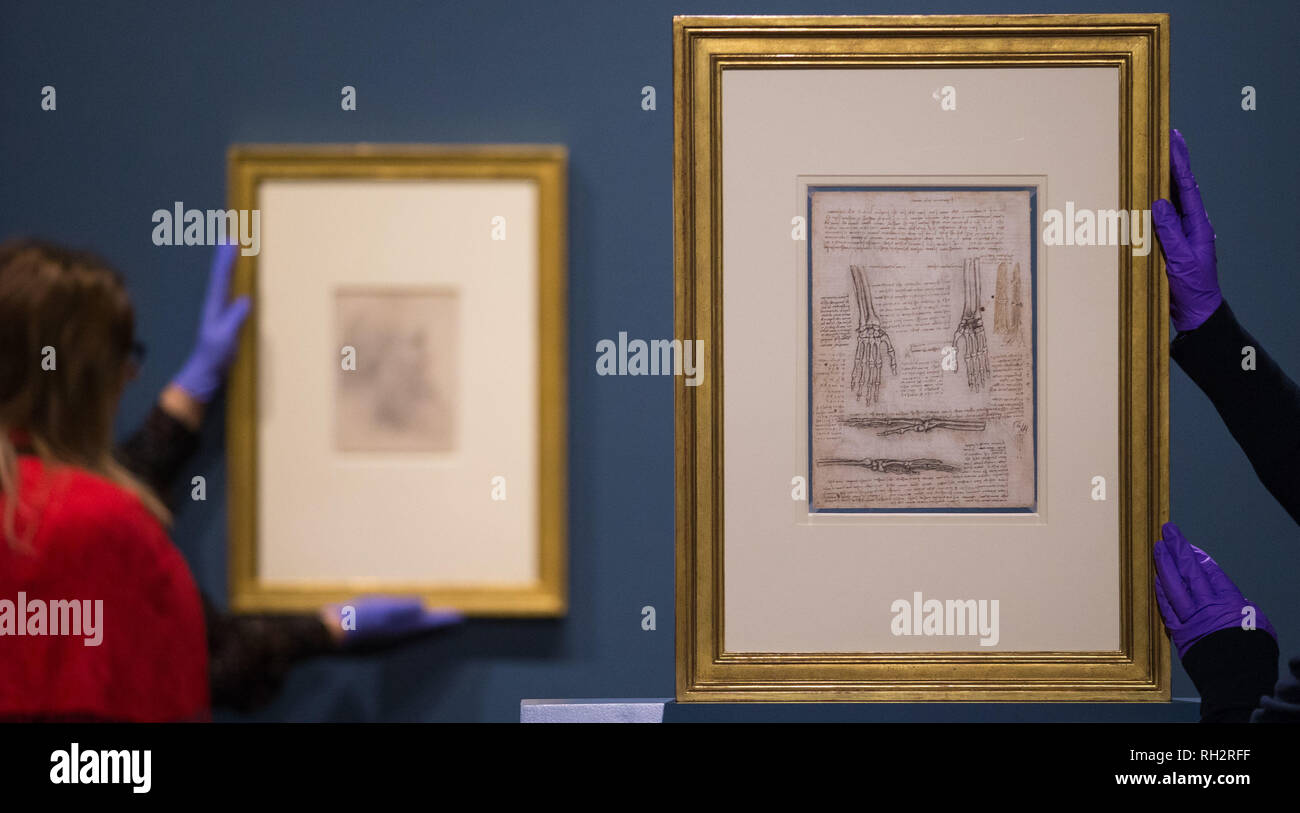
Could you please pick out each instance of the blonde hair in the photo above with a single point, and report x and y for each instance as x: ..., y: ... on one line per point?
x: 71, y: 307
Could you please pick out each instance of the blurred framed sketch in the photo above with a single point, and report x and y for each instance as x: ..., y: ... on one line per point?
x: 397, y: 408
x: 920, y: 249
x: 403, y: 396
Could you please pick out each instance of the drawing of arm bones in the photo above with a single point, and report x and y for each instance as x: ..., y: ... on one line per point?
x: 873, y: 342
x: 970, y: 330
x: 898, y: 426
x: 1016, y: 303
x: 1001, y: 307
x: 887, y: 465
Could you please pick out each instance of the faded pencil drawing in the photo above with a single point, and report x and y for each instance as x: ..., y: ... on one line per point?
x: 401, y: 396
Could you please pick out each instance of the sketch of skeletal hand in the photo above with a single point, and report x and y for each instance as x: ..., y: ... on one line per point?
x: 873, y: 342
x: 886, y: 465
x: 969, y: 339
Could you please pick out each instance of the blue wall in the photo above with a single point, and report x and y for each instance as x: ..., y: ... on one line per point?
x: 150, y: 95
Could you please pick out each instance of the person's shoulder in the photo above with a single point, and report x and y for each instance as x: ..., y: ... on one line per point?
x: 82, y: 508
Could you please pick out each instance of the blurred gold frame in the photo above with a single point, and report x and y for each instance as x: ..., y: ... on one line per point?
x: 546, y: 166
x: 703, y: 48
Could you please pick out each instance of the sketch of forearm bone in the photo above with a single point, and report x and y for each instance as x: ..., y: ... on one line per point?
x: 887, y: 465
x: 1016, y: 303
x: 898, y: 426
x: 970, y: 330
x: 1001, y: 302
x: 873, y: 342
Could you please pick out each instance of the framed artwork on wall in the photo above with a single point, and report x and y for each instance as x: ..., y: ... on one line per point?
x: 932, y: 456
x: 397, y: 408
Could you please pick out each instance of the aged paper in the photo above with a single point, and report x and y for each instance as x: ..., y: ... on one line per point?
x: 922, y: 349
x: 397, y: 375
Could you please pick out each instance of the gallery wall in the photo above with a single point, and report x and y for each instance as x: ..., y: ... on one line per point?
x: 151, y: 94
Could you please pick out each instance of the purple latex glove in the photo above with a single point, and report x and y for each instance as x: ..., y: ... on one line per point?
x: 218, y: 331
x: 1187, y: 241
x: 1195, y: 596
x: 387, y: 617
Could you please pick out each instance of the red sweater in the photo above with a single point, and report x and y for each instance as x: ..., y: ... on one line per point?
x: 94, y: 541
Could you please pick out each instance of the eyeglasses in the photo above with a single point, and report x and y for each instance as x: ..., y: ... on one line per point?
x: 134, y: 360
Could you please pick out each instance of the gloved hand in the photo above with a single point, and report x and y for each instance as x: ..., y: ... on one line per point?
x: 372, y: 618
x: 1195, y: 596
x: 1187, y: 241
x: 218, y: 331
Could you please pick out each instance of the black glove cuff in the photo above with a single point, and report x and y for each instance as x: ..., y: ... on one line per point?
x: 1232, y: 668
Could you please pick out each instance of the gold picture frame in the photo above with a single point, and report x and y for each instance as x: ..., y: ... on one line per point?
x: 704, y: 49
x: 546, y: 167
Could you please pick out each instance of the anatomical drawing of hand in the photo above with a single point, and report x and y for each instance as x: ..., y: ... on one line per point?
x: 969, y: 340
x: 873, y: 343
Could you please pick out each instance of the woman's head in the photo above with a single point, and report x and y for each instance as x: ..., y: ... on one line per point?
x: 67, y: 330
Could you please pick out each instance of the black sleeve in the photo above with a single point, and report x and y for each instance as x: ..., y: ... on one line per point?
x: 1232, y: 669
x: 1261, y: 407
x: 157, y: 450
x: 248, y: 655
x: 1284, y: 705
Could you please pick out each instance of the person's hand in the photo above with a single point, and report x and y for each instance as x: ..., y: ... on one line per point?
x: 219, y: 324
x: 1195, y: 596
x: 1187, y: 241
x: 374, y: 618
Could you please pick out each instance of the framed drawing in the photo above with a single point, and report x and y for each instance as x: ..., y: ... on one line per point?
x: 397, y: 408
x: 932, y: 458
